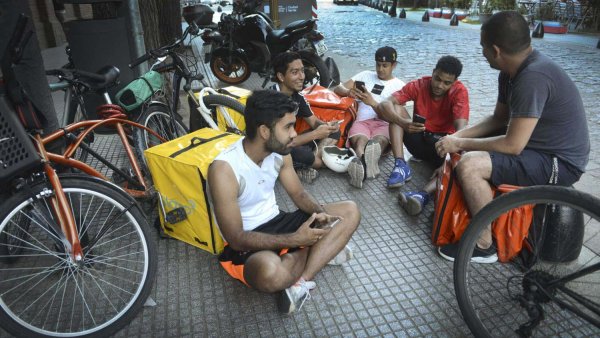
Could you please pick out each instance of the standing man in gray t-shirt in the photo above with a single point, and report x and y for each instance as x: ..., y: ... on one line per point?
x: 539, y: 122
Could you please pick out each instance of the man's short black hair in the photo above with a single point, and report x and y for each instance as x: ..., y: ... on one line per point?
x: 508, y: 30
x: 266, y: 107
x: 449, y: 65
x: 281, y: 62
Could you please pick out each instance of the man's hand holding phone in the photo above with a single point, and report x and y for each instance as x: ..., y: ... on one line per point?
x: 360, y: 85
x: 417, y: 125
x: 361, y: 93
x: 327, y: 222
x: 336, y: 123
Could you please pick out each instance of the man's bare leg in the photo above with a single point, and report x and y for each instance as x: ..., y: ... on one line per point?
x: 358, y: 143
x: 383, y: 141
x: 318, y: 163
x: 396, y: 140
x: 266, y: 271
x: 474, y: 171
x: 331, y: 244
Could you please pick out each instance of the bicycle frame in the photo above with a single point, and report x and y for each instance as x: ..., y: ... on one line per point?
x: 68, y: 98
x: 88, y: 127
x: 60, y: 206
x: 181, y: 72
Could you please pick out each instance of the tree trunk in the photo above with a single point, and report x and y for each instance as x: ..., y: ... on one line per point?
x: 161, y: 20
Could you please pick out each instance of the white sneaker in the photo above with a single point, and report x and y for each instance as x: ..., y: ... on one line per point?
x: 291, y: 299
x: 310, y: 284
x: 356, y: 170
x: 372, y: 155
x: 343, y: 256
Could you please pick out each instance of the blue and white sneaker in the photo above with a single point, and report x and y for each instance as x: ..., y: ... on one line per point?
x: 413, y: 201
x: 400, y: 174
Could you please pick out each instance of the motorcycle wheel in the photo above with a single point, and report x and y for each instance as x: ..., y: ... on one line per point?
x: 315, y: 70
x: 234, y: 72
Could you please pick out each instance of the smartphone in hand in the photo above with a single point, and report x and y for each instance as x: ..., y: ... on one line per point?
x: 325, y: 226
x: 334, y: 223
x: 360, y: 85
x: 419, y: 119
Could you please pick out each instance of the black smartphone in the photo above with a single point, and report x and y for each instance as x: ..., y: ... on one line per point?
x: 419, y: 119
x: 360, y: 85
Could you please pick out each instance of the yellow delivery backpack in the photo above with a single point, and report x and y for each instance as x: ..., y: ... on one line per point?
x: 179, y: 169
x: 236, y: 93
x: 239, y: 94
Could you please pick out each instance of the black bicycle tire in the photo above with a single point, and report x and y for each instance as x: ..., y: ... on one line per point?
x: 139, y: 134
x: 86, y: 183
x: 581, y: 201
x: 317, y: 61
x: 225, y: 101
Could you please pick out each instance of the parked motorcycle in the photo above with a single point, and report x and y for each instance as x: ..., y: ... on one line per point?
x: 245, y: 42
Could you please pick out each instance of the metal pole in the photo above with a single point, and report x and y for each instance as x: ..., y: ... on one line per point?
x: 136, y: 35
x: 275, y: 13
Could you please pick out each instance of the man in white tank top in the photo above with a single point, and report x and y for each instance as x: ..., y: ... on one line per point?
x: 268, y: 249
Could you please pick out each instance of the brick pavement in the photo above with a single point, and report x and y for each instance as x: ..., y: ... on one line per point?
x: 396, y: 285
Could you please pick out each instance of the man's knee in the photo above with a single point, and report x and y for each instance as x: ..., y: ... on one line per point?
x: 474, y: 165
x: 263, y: 273
x: 348, y: 210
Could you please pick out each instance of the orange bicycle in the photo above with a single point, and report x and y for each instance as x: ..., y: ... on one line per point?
x: 75, y: 254
x: 128, y: 172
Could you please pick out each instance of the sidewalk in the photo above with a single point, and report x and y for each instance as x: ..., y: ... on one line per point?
x: 397, y: 285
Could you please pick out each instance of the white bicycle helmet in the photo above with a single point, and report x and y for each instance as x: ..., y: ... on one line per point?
x: 338, y: 159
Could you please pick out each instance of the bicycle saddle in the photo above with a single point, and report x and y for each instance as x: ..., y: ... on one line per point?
x: 104, y: 78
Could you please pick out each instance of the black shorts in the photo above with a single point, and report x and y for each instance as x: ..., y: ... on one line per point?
x: 286, y: 222
x: 304, y: 156
x: 530, y: 168
x: 422, y: 146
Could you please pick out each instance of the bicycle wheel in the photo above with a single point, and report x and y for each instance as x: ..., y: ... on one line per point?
x: 157, y: 118
x: 44, y: 293
x: 227, y: 113
x: 11, y: 238
x: 533, y: 295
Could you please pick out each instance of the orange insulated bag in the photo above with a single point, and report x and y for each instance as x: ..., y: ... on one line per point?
x: 328, y: 106
x: 451, y: 215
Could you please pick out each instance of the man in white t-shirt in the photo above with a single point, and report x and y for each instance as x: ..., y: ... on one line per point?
x: 369, y: 135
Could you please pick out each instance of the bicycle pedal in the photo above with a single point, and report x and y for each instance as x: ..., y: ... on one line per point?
x: 176, y: 215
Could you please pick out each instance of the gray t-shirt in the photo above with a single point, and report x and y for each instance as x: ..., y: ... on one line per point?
x: 543, y: 90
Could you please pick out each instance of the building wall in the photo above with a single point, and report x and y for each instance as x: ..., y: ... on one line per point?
x: 47, y: 27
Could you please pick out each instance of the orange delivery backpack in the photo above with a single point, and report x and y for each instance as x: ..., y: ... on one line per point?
x: 451, y: 215
x: 328, y: 106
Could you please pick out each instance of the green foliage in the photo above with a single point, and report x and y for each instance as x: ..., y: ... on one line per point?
x: 498, y: 5
x: 546, y: 11
x: 458, y: 3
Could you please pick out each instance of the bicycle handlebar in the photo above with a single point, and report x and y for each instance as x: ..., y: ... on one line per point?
x: 139, y: 60
x: 160, y: 51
